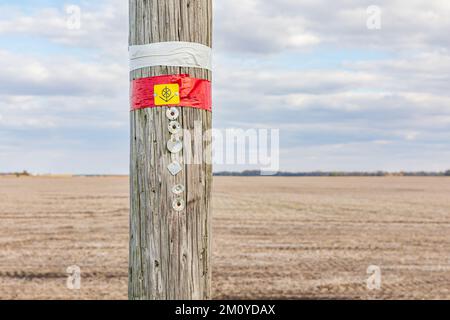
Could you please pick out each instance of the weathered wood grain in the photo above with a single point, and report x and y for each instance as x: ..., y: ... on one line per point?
x: 170, y: 251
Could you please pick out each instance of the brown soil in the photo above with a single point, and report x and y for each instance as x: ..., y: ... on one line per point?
x: 274, y: 238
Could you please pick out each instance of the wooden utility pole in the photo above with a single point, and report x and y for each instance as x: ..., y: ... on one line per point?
x: 170, y: 250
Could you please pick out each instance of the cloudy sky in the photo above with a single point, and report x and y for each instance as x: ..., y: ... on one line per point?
x: 344, y: 96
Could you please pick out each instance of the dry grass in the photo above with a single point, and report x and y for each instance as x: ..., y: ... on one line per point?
x: 273, y: 237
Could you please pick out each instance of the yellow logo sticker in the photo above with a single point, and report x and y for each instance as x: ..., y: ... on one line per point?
x: 167, y: 94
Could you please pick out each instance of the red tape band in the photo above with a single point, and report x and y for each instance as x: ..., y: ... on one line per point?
x: 174, y: 90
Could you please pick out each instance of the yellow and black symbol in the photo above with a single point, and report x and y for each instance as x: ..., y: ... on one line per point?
x: 167, y: 94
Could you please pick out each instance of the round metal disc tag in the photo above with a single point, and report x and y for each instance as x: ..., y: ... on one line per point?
x: 172, y: 114
x: 174, y: 127
x: 174, y: 145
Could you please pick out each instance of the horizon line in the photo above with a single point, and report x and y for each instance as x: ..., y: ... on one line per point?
x: 252, y: 173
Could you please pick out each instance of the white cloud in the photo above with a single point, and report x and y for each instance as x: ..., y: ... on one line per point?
x: 25, y: 74
x: 104, y: 26
x: 405, y: 25
x: 241, y: 26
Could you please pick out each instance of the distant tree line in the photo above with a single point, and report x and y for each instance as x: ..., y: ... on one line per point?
x: 254, y: 173
x: 24, y: 173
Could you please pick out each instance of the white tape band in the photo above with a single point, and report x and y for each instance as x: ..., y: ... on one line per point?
x: 176, y: 54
